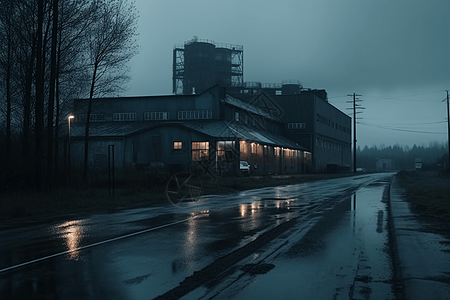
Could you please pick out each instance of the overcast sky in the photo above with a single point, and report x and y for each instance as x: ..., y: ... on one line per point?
x: 395, y: 53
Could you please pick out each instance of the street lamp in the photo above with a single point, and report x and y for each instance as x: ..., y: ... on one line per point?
x: 68, y: 147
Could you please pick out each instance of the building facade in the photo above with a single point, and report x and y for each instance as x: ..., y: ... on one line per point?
x: 212, y: 131
x: 310, y: 121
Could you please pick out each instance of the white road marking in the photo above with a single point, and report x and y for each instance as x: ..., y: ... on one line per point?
x: 94, y: 244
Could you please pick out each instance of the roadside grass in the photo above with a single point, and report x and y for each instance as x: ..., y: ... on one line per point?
x: 428, y: 193
x: 132, y: 188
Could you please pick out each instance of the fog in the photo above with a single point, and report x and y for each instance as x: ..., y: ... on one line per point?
x: 393, y: 53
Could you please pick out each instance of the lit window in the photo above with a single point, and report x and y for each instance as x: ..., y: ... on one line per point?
x: 177, y: 145
x: 277, y: 151
x: 226, y: 150
x: 253, y: 147
x: 200, y: 151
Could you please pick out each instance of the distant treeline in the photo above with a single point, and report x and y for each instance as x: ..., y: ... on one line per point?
x: 434, y: 156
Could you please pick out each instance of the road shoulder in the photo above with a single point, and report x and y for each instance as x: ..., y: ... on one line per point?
x: 424, y: 257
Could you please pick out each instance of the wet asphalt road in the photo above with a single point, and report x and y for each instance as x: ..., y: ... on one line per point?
x: 338, y: 247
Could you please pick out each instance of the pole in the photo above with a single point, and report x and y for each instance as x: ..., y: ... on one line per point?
x: 111, y: 169
x: 355, y: 107
x: 354, y: 133
x: 448, y: 131
x: 68, y: 151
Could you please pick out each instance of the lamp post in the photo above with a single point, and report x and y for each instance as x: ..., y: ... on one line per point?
x: 68, y: 148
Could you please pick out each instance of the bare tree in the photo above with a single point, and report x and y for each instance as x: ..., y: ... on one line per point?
x: 111, y: 44
x: 71, y: 79
x: 52, y: 51
x: 6, y: 65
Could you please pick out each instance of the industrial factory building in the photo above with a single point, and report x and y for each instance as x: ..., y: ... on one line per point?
x: 215, y: 119
x: 308, y: 118
x: 211, y: 132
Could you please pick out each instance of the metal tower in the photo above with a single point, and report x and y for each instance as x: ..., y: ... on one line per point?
x: 201, y: 64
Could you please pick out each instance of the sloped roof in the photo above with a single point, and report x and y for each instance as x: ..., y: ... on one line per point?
x: 214, y: 129
x: 232, y: 130
x: 109, y: 129
x: 248, y: 107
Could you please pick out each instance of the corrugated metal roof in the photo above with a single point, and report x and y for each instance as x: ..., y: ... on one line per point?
x: 214, y: 129
x: 109, y: 129
x: 232, y: 130
x: 248, y: 107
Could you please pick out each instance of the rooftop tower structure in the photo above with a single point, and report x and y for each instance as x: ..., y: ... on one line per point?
x: 200, y: 64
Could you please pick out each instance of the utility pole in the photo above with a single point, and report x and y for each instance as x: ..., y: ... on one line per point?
x: 448, y: 131
x: 355, y: 107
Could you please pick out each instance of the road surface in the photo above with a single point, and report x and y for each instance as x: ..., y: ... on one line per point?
x: 327, y: 239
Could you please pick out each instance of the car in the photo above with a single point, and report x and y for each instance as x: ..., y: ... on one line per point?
x: 244, y: 167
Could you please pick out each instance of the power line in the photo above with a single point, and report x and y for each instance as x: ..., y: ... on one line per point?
x: 398, y: 97
x: 419, y: 124
x: 399, y: 129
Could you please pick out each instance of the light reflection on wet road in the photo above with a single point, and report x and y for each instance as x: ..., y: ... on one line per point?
x: 342, y: 255
x: 339, y: 243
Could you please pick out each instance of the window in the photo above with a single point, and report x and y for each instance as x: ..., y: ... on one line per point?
x: 253, y: 148
x: 296, y: 125
x: 307, y: 157
x: 195, y: 114
x: 277, y: 151
x: 93, y: 118
x: 177, y: 145
x: 155, y: 115
x: 200, y: 151
x: 225, y: 150
x: 124, y: 117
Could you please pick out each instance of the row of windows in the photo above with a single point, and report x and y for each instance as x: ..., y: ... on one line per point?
x: 328, y: 144
x: 155, y: 115
x: 124, y: 117
x: 194, y: 114
x: 200, y: 150
x: 326, y: 121
x: 93, y: 117
x: 296, y: 125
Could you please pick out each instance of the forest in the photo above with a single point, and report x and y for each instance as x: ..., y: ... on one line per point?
x: 53, y: 51
x: 433, y: 157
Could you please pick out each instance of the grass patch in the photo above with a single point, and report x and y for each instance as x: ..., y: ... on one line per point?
x: 428, y: 193
x: 132, y: 188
